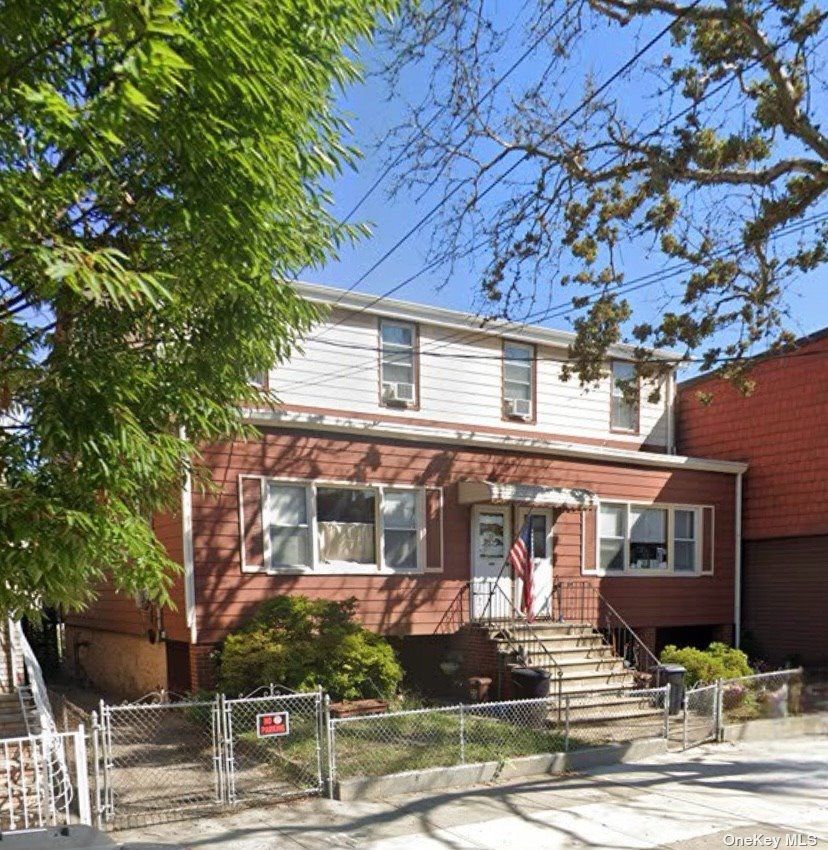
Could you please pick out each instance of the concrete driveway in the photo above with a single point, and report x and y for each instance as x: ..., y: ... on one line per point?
x: 762, y: 794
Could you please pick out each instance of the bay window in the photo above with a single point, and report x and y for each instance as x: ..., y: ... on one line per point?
x: 639, y: 539
x: 328, y: 527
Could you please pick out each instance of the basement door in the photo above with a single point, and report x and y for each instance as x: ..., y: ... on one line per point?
x: 491, y: 538
x: 542, y: 520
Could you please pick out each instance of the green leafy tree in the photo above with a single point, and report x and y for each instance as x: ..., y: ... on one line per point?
x: 302, y: 644
x: 162, y: 172
x: 718, y: 661
x: 707, y: 147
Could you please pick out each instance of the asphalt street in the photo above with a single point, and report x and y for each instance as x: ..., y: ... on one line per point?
x: 762, y: 794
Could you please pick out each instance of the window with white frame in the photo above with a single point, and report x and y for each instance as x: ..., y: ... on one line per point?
x: 397, y: 367
x: 637, y: 539
x: 518, y: 374
x: 320, y: 526
x: 624, y: 408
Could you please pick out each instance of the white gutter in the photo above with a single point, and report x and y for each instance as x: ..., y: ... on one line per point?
x: 737, y: 588
x: 475, y: 439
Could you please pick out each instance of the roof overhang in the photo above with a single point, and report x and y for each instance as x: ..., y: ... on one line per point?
x: 371, y: 428
x: 473, y: 492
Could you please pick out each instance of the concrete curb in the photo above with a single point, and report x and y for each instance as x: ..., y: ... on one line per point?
x: 769, y: 728
x: 438, y: 778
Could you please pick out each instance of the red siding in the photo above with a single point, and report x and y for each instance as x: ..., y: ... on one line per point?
x: 119, y: 613
x: 786, y: 585
x: 779, y: 430
x: 415, y: 604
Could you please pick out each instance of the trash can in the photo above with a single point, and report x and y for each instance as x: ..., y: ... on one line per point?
x: 673, y: 675
x: 530, y: 682
x: 76, y: 837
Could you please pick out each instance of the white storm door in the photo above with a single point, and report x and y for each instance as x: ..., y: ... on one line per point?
x: 491, y: 539
x: 541, y: 519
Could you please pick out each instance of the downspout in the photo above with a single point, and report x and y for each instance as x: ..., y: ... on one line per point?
x: 737, y: 589
x: 188, y: 557
x: 670, y: 403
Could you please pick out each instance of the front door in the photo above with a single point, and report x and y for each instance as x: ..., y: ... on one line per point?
x: 541, y: 520
x: 491, y: 596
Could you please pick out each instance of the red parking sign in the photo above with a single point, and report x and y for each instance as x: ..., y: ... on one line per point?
x: 272, y: 724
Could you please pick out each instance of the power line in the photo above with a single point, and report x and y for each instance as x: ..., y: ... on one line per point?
x: 452, y: 192
x: 630, y: 286
x: 438, y: 114
x: 562, y: 310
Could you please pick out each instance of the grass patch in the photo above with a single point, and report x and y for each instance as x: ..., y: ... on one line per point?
x: 420, y: 741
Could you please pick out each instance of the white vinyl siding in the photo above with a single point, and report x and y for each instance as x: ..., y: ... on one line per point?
x: 459, y: 384
x: 636, y: 539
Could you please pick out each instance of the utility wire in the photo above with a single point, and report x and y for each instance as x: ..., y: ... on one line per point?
x: 562, y: 310
x: 501, y: 177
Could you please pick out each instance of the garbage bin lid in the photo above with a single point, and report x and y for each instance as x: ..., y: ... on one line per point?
x: 673, y: 668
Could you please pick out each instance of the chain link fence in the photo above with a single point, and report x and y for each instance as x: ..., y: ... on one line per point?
x: 763, y: 695
x: 280, y: 765
x: 157, y: 759
x: 701, y: 716
x: 494, y: 731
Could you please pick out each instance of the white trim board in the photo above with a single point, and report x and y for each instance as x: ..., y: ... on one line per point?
x: 421, y: 433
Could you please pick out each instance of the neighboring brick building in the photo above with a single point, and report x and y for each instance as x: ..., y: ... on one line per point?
x: 780, y: 431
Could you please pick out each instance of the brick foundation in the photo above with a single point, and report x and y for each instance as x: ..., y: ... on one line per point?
x: 203, y: 667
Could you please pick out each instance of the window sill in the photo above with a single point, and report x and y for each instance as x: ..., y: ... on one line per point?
x: 643, y: 574
x: 332, y: 570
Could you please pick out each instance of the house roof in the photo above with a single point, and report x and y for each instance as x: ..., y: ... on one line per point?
x: 359, y: 302
x: 801, y: 342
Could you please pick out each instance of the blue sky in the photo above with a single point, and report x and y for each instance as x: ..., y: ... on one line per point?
x: 372, y: 116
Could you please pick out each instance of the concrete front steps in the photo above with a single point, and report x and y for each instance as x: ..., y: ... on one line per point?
x: 597, y: 682
x: 12, y: 719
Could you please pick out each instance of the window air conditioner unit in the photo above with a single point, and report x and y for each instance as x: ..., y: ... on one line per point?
x: 520, y: 408
x: 399, y: 392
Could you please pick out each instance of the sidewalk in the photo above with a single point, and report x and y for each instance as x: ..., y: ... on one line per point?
x: 714, y: 796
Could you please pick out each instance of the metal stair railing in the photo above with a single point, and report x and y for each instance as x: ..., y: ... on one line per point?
x: 581, y: 601
x: 516, y: 623
x: 35, y: 695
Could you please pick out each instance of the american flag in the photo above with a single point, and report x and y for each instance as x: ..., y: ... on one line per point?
x: 521, y: 558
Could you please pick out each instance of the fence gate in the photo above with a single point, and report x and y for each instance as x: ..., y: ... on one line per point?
x: 701, y: 715
x: 153, y: 759
x: 273, y: 746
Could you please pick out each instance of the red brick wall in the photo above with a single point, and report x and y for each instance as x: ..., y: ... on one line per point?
x: 779, y: 430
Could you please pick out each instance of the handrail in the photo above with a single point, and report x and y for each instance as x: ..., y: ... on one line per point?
x: 514, y: 623
x: 599, y: 602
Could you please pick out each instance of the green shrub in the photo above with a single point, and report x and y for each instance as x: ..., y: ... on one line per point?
x: 718, y: 661
x: 304, y: 643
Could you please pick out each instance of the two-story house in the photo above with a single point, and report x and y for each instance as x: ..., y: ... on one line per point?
x: 779, y: 429
x: 410, y: 444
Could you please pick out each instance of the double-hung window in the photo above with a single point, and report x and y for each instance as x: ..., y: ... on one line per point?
x: 624, y: 397
x: 518, y: 379
x: 328, y: 527
x: 398, y: 373
x: 641, y: 539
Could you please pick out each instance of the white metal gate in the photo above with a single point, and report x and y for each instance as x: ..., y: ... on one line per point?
x: 154, y: 758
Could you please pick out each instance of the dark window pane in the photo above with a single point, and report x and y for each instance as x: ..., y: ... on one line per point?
x: 337, y: 505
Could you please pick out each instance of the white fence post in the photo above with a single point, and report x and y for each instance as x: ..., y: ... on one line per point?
x: 667, y: 710
x: 684, y: 732
x: 566, y: 727
x: 719, y: 710
x: 82, y: 777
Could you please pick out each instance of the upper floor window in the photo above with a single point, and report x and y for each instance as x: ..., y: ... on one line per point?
x: 638, y: 538
x: 398, y: 374
x: 624, y: 409
x: 518, y: 380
